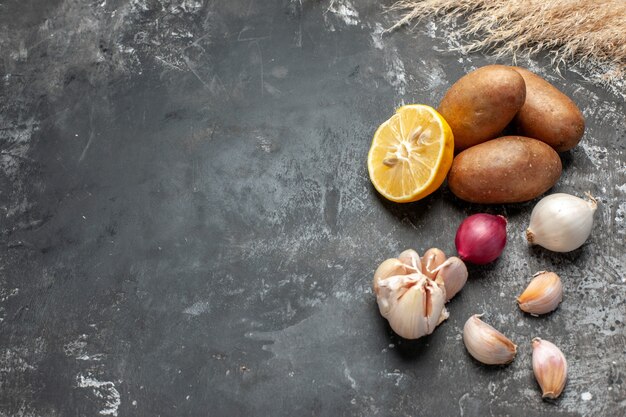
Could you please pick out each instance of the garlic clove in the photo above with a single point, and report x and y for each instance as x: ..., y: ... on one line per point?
x: 388, y: 268
x: 549, y: 367
x: 486, y: 344
x: 561, y: 222
x: 413, y: 304
x: 432, y: 258
x: 410, y: 258
x: 453, y: 273
x: 443, y: 316
x: 392, y: 289
x: 543, y: 294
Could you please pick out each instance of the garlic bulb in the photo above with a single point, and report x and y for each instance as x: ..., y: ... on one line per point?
x: 486, y: 344
x: 543, y: 294
x: 549, y: 367
x: 453, y: 273
x: 413, y: 304
x: 432, y: 258
x: 561, y: 222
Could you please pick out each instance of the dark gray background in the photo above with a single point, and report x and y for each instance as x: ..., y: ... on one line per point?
x: 188, y: 228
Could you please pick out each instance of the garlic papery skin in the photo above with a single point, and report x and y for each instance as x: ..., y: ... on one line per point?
x: 431, y: 259
x: 561, y: 222
x: 549, y: 367
x: 413, y: 304
x: 410, y: 258
x: 453, y: 273
x: 543, y: 294
x: 389, y: 268
x: 486, y: 344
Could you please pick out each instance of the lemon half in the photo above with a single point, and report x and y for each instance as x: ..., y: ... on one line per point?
x: 411, y: 154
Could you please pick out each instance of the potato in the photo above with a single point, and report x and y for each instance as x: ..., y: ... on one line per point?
x: 510, y: 169
x: 548, y: 114
x: 482, y: 103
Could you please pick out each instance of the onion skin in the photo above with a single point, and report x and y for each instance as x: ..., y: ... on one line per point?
x: 481, y: 238
x: 561, y: 222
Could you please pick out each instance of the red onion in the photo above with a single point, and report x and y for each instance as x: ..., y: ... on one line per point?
x: 481, y: 238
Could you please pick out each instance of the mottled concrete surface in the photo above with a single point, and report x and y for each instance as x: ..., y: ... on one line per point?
x: 188, y: 228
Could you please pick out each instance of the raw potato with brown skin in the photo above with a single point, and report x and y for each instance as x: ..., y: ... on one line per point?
x: 548, y: 114
x: 510, y: 169
x: 482, y: 103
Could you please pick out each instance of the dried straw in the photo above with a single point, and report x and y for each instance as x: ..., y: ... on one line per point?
x: 585, y: 31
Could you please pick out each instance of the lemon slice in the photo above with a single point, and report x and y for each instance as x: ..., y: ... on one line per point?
x: 411, y: 154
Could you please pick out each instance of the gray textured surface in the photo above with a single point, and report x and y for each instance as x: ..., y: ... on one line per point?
x: 188, y: 228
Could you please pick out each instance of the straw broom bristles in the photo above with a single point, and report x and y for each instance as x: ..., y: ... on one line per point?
x: 580, y: 30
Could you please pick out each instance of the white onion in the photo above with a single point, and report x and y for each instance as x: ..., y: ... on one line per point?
x: 561, y: 222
